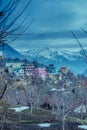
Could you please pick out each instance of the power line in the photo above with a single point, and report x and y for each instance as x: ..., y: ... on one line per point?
x: 84, y: 54
x: 83, y: 30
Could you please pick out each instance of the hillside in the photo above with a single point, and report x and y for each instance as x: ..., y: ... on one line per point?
x: 9, y: 52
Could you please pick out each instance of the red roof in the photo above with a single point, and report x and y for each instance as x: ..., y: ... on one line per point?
x: 63, y: 68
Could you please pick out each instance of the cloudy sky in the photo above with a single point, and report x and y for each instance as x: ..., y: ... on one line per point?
x: 52, y: 25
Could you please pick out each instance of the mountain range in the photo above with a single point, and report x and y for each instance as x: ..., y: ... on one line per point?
x: 74, y: 60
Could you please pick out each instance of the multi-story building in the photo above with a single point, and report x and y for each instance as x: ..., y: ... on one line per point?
x: 40, y: 71
x: 28, y: 69
x: 11, y: 65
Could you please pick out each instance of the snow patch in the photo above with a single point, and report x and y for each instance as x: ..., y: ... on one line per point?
x: 81, y: 109
x: 83, y: 127
x: 44, y: 125
x: 53, y: 89
x: 61, y: 89
x: 19, y: 109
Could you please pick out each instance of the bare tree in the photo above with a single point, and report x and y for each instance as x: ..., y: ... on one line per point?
x: 12, y: 24
x: 32, y: 96
x: 3, y: 84
x: 64, y: 103
x: 12, y: 21
x: 81, y: 97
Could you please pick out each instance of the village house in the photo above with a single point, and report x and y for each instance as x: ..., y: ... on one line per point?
x: 28, y: 69
x: 82, y: 79
x: 53, y: 74
x: 11, y: 65
x: 54, y: 77
x: 40, y: 71
x: 64, y: 70
x: 18, y: 72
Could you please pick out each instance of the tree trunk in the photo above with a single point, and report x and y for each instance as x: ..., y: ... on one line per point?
x: 86, y: 108
x: 63, y: 119
x: 31, y: 108
x: 63, y: 124
x: 53, y: 109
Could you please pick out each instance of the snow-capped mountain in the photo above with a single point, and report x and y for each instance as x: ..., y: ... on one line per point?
x: 73, y: 60
x: 9, y: 52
